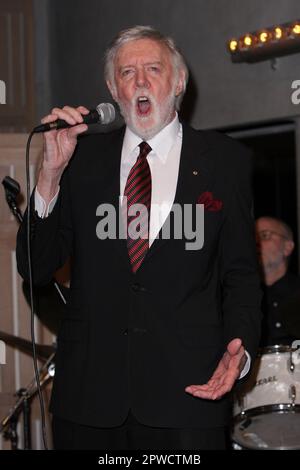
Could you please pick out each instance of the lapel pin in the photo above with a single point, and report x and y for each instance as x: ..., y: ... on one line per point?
x: 195, y: 172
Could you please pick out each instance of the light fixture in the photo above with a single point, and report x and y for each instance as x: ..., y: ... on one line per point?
x: 296, y: 28
x: 264, y: 36
x: 267, y: 43
x: 278, y: 32
x: 233, y: 44
x: 247, y: 41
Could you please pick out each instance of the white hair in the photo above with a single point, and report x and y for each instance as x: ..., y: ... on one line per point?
x: 145, y: 32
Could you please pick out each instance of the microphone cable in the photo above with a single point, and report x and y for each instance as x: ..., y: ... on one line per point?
x: 35, y: 360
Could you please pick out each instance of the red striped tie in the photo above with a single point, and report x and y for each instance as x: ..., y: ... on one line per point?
x: 138, y: 191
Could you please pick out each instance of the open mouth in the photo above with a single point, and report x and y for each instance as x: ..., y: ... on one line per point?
x: 143, y: 106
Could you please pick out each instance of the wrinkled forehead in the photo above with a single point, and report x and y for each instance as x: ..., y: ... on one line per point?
x: 144, y: 51
x: 269, y: 224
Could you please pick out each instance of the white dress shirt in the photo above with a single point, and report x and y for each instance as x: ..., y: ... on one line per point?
x: 163, y: 161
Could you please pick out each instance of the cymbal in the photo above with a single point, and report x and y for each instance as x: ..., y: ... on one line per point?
x: 43, y: 352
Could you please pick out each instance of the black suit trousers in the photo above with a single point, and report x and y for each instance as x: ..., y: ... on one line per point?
x: 132, y: 435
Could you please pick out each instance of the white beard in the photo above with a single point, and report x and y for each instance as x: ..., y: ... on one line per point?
x: 161, y: 114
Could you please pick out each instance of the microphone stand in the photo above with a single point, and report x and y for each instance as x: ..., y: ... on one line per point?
x: 12, y: 190
x: 9, y: 424
x: 11, y: 201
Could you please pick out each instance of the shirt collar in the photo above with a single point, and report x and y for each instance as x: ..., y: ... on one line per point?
x: 161, y: 143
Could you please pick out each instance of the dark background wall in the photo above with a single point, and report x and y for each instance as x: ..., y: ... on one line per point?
x: 69, y: 69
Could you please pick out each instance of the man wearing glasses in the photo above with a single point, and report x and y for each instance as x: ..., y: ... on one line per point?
x: 281, y: 301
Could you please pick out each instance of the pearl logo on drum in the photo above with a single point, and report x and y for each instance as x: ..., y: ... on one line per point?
x: 266, y: 380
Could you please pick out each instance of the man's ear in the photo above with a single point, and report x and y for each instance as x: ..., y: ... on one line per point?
x: 289, y: 246
x: 180, y: 83
x: 112, y: 89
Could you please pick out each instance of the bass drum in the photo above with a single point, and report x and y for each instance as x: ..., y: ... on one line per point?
x: 267, y: 409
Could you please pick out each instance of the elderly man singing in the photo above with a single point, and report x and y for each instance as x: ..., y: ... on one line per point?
x: 157, y: 329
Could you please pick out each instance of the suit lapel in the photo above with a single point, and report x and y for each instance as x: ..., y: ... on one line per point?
x: 194, y: 176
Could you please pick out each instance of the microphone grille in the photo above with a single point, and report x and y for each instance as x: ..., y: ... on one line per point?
x: 106, y: 113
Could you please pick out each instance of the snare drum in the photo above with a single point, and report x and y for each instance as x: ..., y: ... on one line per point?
x: 267, y: 409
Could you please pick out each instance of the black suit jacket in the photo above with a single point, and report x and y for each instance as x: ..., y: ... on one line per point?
x: 136, y: 341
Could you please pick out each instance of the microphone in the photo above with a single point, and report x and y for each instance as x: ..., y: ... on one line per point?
x: 11, y: 185
x: 104, y: 114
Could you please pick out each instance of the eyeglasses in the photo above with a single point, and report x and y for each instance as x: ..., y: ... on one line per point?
x: 267, y: 235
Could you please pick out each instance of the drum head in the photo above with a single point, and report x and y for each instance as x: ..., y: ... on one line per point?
x: 275, y: 427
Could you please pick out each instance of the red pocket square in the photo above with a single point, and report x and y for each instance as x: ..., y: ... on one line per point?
x: 210, y: 204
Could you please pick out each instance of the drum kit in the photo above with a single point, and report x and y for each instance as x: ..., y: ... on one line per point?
x: 267, y: 408
x: 24, y: 396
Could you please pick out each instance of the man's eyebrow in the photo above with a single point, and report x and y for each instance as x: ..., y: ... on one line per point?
x: 155, y: 62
